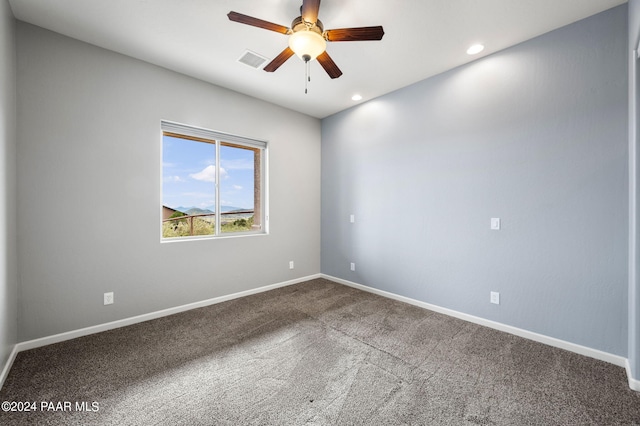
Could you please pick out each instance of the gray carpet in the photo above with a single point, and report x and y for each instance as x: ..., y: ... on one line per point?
x: 315, y: 353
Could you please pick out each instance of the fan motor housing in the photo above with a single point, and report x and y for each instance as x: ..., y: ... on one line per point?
x: 300, y: 24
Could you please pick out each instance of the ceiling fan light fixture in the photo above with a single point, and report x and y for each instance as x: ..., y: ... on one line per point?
x: 308, y: 38
x: 307, y: 44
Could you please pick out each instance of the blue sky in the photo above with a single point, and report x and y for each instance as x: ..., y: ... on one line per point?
x: 188, y: 174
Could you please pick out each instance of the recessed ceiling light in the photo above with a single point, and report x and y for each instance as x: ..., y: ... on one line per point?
x: 356, y: 97
x: 476, y: 48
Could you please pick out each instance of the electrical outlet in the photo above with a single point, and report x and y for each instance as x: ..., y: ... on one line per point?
x: 495, y: 297
x: 291, y: 264
x: 108, y: 298
x: 353, y: 266
x: 352, y: 218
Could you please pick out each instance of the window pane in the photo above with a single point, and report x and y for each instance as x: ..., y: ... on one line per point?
x: 240, y: 191
x: 188, y: 187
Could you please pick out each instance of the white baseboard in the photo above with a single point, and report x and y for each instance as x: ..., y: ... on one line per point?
x: 551, y: 341
x: 8, y: 364
x: 61, y: 337
x: 572, y: 347
x: 634, y: 384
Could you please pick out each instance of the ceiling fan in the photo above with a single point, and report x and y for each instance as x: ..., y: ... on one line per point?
x: 308, y: 38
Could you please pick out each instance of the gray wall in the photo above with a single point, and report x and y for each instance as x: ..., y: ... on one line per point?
x: 8, y: 193
x: 89, y: 185
x: 536, y: 135
x: 634, y: 236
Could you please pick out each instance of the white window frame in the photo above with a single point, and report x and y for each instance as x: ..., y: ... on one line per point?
x: 218, y: 138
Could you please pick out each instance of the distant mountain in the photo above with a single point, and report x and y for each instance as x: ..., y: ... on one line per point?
x: 208, y: 209
x: 232, y: 209
x: 195, y: 210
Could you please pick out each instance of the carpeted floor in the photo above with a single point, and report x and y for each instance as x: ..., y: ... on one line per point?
x: 315, y: 353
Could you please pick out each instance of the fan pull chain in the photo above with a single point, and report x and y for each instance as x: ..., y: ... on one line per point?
x: 307, y: 75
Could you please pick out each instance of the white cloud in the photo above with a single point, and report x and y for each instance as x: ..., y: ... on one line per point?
x: 237, y: 187
x: 208, y: 174
x: 173, y: 179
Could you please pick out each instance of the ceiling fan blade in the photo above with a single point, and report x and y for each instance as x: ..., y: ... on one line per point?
x: 279, y: 60
x: 310, y: 10
x: 255, y: 22
x: 355, y: 34
x: 329, y: 66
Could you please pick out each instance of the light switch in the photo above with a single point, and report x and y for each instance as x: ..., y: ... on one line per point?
x: 352, y: 218
x: 495, y: 223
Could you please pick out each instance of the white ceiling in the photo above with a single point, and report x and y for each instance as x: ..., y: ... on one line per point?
x: 194, y: 37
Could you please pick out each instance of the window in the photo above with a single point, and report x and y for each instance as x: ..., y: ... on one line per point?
x: 213, y: 184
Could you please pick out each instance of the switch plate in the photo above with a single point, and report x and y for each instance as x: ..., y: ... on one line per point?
x: 291, y: 264
x: 495, y: 297
x: 353, y: 266
x: 108, y: 298
x: 495, y: 223
x: 352, y: 218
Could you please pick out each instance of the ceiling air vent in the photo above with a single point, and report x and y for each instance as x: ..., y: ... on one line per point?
x: 252, y: 59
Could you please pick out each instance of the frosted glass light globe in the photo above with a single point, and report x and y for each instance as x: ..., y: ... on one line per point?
x: 307, y: 44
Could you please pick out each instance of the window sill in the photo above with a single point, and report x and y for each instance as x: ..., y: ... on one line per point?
x: 213, y: 237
